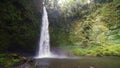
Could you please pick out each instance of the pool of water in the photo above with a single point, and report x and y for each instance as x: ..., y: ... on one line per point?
x: 81, y: 62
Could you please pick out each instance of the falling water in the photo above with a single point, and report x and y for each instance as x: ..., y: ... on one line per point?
x: 44, y: 46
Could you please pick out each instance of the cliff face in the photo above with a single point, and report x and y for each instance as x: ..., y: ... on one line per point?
x: 20, y: 24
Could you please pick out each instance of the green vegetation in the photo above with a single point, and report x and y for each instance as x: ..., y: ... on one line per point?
x: 19, y: 29
x: 100, y: 29
x: 8, y: 60
x: 112, y: 50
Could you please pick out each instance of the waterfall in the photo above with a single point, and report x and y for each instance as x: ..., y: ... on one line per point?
x: 44, y: 43
x: 44, y: 46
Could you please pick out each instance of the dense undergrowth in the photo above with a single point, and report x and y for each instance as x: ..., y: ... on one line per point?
x: 112, y: 50
x: 7, y: 60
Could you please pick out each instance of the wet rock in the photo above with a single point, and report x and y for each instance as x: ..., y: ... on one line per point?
x: 25, y: 63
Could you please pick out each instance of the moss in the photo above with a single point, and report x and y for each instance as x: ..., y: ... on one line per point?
x: 7, y: 59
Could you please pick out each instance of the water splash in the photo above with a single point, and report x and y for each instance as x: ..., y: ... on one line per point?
x: 44, y: 46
